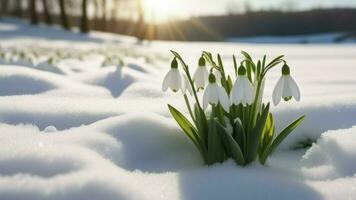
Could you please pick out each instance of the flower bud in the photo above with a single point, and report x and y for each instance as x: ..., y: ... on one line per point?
x: 201, y: 61
x: 174, y: 63
x: 285, y: 70
x: 212, y: 78
x: 241, y: 70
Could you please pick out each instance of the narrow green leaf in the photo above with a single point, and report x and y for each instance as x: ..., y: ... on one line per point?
x: 233, y: 150
x: 216, y: 152
x: 267, y: 134
x: 202, y: 124
x: 285, y: 132
x: 235, y: 64
x: 254, y: 136
x: 240, y: 134
x: 274, y: 60
x: 246, y: 55
x: 187, y: 127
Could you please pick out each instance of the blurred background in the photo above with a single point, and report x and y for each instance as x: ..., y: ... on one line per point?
x: 273, y: 21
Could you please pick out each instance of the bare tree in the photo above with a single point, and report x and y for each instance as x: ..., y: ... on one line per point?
x: 103, y: 10
x: 64, y: 17
x: 3, y: 7
x: 140, y: 28
x: 84, y: 27
x: 48, y: 18
x: 18, y: 8
x: 33, y: 12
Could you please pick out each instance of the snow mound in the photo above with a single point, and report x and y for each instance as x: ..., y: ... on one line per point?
x: 333, y: 155
x: 20, y: 82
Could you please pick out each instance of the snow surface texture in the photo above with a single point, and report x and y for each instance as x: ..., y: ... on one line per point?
x: 84, y: 131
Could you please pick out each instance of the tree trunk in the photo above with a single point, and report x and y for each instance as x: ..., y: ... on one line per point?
x: 18, y: 7
x: 64, y: 18
x: 140, y: 28
x: 48, y: 18
x: 84, y: 27
x: 33, y: 11
x: 103, y: 19
x: 3, y: 7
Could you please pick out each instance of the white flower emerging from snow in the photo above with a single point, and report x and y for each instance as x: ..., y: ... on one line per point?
x: 201, y: 75
x: 215, y: 94
x: 286, y: 87
x: 243, y: 90
x: 175, y: 80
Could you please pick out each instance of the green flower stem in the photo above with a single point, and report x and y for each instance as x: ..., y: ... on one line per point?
x: 189, y: 108
x: 186, y: 70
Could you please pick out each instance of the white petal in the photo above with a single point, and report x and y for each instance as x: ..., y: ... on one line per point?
x: 200, y: 78
x: 217, y: 76
x: 214, y: 94
x: 224, y: 99
x: 166, y: 81
x: 294, y: 88
x: 277, y: 91
x: 248, y: 92
x: 237, y: 91
x: 206, y: 96
x: 287, y: 92
x: 175, y: 80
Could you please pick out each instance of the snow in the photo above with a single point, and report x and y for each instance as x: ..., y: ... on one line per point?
x: 79, y: 130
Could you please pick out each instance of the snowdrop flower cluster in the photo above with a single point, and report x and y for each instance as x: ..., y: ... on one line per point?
x: 238, y: 124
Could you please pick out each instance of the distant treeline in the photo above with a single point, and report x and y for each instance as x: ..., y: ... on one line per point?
x: 216, y: 28
x: 262, y: 23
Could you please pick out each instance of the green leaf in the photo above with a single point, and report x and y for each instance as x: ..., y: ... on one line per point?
x: 254, y: 136
x: 240, y: 134
x: 202, y: 124
x: 233, y: 150
x: 216, y: 152
x: 285, y: 132
x: 246, y: 55
x: 274, y: 60
x: 187, y: 127
x: 267, y: 134
x: 235, y: 64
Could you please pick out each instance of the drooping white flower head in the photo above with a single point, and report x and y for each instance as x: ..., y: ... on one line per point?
x: 175, y: 80
x: 217, y: 75
x: 215, y: 94
x: 285, y: 88
x: 201, y: 75
x: 243, y: 90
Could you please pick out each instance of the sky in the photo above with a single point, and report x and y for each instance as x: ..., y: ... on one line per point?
x: 181, y: 8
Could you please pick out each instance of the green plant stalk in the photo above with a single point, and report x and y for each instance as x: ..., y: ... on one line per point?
x: 189, y: 108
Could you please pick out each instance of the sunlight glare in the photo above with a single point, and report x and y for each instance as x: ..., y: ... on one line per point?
x: 159, y: 11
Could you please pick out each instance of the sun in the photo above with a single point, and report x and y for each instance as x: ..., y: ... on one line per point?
x: 158, y: 11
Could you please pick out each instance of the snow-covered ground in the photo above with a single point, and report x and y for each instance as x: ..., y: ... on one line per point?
x: 77, y: 130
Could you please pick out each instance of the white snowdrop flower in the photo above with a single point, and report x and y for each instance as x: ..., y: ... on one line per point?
x: 215, y: 94
x: 243, y: 90
x: 201, y: 75
x: 285, y: 88
x: 175, y: 80
x: 217, y: 75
